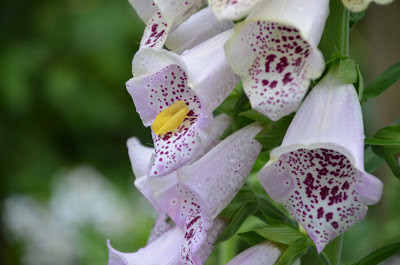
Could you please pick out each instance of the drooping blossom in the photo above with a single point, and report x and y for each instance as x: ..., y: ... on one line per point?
x: 200, y: 78
x: 318, y: 171
x: 232, y: 10
x: 275, y: 53
x: 265, y: 253
x: 163, y: 17
x: 361, y: 5
x: 194, y: 195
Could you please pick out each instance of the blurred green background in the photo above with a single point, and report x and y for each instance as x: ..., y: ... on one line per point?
x: 64, y: 105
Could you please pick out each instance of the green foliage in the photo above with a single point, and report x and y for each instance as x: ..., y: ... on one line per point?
x: 348, y: 71
x: 296, y: 250
x: 380, y: 255
x: 386, y: 144
x: 281, y: 233
x: 382, y: 82
x: 272, y: 134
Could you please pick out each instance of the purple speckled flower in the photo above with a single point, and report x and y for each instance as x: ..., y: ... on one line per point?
x: 360, y: 5
x: 265, y: 253
x: 162, y: 17
x: 275, y: 53
x: 166, y: 249
x: 318, y: 171
x: 194, y: 195
x: 173, y: 23
x: 233, y: 10
x: 199, y: 77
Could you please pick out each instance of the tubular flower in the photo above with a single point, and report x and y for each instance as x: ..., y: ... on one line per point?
x: 162, y: 78
x: 165, y: 250
x: 279, y: 42
x: 165, y: 17
x: 265, y: 253
x: 361, y: 5
x: 194, y: 195
x: 318, y: 171
x: 233, y: 10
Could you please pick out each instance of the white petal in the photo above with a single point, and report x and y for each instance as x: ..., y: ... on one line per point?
x: 209, y: 73
x: 275, y: 52
x: 318, y: 171
x: 265, y: 253
x: 217, y: 176
x: 233, y: 10
x: 360, y: 5
x: 140, y: 156
x: 198, y: 28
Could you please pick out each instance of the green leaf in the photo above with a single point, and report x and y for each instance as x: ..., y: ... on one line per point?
x: 228, y: 105
x: 354, y: 18
x: 380, y: 255
x: 382, y: 82
x: 272, y: 134
x: 387, y: 136
x: 281, y: 233
x: 390, y: 157
x: 241, y: 105
x: 244, y: 195
x: 296, y: 250
x: 348, y: 71
x: 372, y: 161
x: 386, y: 144
x: 360, y: 83
x: 251, y: 237
x: 272, y: 214
x: 240, y: 216
x: 255, y: 115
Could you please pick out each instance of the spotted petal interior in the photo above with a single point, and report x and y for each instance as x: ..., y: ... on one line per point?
x: 276, y: 74
x: 321, y: 189
x: 168, y: 16
x: 151, y: 95
x: 360, y: 5
x: 232, y: 9
x: 182, y: 207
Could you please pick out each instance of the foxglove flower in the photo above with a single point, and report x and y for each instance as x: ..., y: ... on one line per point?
x: 165, y: 250
x: 265, y: 253
x: 194, y: 195
x: 318, y: 171
x: 162, y: 17
x: 176, y: 95
x: 275, y: 52
x: 360, y: 5
x: 232, y: 10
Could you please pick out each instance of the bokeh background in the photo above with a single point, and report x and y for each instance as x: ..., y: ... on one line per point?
x: 65, y: 116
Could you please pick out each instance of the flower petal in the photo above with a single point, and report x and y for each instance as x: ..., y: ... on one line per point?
x: 275, y: 52
x: 216, y: 178
x: 166, y: 250
x: 162, y: 78
x: 213, y: 82
x: 265, y: 253
x: 317, y: 172
x: 162, y: 17
x: 198, y: 28
x: 140, y: 156
x: 232, y: 10
x: 360, y: 5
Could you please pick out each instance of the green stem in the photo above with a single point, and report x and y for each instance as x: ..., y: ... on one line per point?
x: 336, y: 33
x: 334, y: 250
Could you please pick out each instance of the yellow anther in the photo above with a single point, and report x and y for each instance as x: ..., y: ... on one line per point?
x: 170, y: 118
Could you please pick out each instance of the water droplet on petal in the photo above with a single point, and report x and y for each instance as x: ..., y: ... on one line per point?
x: 199, y: 185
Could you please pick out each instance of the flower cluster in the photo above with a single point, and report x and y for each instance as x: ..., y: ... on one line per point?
x: 190, y: 175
